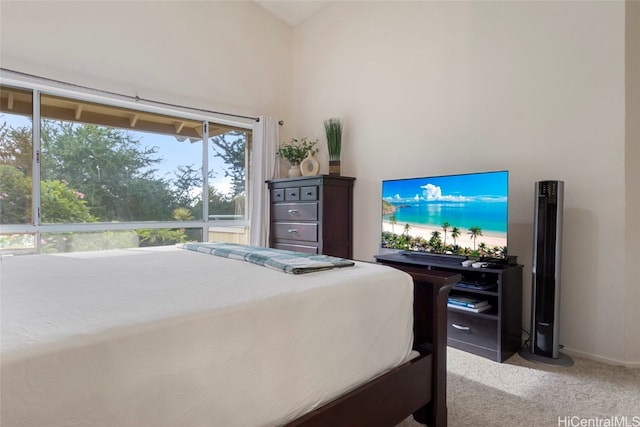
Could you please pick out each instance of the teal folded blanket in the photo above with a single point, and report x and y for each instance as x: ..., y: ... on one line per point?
x: 276, y: 259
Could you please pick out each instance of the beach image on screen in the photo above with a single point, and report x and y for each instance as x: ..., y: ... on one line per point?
x: 454, y: 214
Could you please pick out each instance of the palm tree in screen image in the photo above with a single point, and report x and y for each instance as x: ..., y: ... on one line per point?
x: 474, y: 232
x: 483, y: 248
x: 435, y: 241
x: 455, y: 233
x: 445, y: 227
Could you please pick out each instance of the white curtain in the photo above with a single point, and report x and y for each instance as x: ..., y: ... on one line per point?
x: 264, y: 166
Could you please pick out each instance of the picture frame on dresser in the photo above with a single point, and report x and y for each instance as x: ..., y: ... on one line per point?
x: 312, y: 214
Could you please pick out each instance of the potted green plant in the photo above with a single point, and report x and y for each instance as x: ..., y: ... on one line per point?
x: 333, y: 132
x: 295, y: 151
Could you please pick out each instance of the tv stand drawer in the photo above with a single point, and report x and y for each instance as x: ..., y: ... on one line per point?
x: 473, y: 329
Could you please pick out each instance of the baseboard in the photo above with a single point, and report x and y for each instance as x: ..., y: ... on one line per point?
x: 607, y: 360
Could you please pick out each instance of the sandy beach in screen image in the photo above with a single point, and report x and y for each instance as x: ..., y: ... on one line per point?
x: 464, y: 240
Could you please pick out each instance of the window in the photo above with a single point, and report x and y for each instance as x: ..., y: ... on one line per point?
x: 16, y: 168
x: 227, y: 173
x: 229, y: 151
x: 16, y: 156
x: 110, y: 176
x: 112, y: 164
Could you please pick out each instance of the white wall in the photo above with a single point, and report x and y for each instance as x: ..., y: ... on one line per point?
x: 632, y: 169
x: 223, y: 56
x: 537, y: 88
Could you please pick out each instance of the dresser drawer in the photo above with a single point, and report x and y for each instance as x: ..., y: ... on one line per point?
x: 277, y: 195
x: 476, y: 330
x: 297, y: 248
x: 292, y: 194
x: 295, y: 231
x: 295, y: 212
x: 309, y: 193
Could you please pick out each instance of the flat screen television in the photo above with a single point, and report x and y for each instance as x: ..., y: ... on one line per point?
x: 458, y: 215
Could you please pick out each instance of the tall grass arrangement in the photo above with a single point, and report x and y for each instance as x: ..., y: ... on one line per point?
x: 333, y: 131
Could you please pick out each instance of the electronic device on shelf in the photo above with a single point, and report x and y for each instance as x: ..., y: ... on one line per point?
x: 447, y: 218
x: 434, y: 257
x: 480, y: 284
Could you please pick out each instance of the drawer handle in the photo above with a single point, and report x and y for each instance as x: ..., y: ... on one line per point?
x: 309, y: 193
x: 293, y: 211
x: 460, y: 327
x: 292, y: 230
x: 292, y: 194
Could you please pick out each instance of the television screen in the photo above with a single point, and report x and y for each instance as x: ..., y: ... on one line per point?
x: 453, y: 214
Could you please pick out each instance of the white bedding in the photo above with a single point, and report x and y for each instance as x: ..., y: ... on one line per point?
x: 168, y: 337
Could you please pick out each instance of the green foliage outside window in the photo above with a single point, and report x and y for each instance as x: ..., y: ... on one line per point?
x: 63, y: 204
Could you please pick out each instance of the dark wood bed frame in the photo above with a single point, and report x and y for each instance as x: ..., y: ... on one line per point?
x: 417, y: 387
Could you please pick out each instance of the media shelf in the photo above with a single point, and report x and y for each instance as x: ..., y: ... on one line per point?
x: 495, y: 333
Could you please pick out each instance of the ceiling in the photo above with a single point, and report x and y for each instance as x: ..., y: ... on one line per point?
x: 292, y: 11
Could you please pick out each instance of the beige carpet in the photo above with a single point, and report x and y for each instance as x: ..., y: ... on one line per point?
x: 523, y: 393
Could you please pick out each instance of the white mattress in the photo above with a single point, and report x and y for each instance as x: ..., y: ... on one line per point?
x: 169, y: 337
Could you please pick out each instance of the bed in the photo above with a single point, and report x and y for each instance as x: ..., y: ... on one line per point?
x: 172, y: 337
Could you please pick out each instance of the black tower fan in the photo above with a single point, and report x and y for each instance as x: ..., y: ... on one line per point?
x: 545, y: 285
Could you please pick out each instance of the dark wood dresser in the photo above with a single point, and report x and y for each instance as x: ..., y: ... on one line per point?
x: 312, y: 214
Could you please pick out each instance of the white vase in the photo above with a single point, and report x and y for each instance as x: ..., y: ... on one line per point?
x: 309, y: 166
x: 294, y: 171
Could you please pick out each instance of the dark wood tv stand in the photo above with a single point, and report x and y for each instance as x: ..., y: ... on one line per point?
x: 496, y: 333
